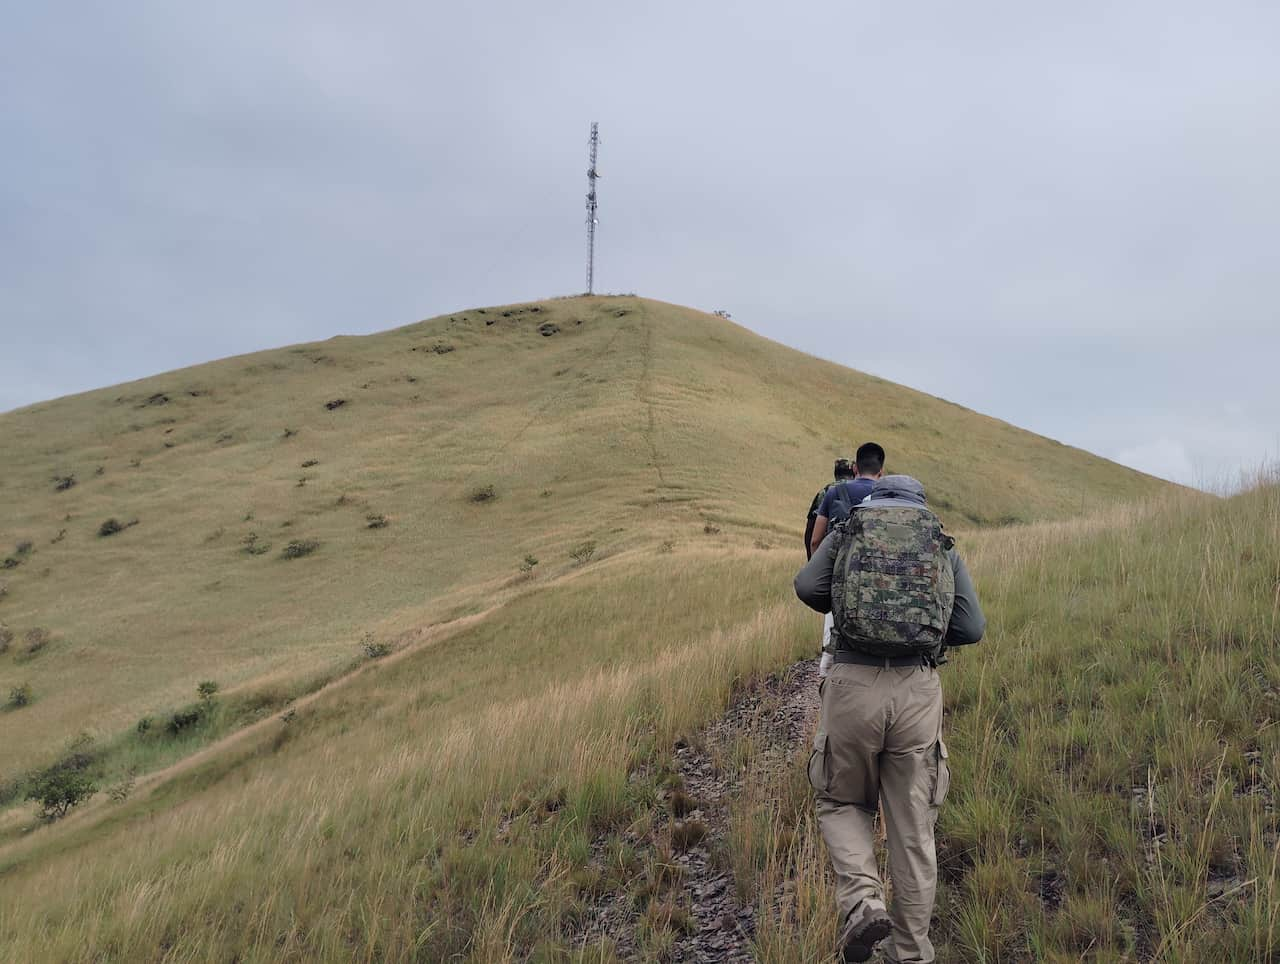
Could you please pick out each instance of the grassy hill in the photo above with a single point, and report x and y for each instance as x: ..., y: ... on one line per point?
x: 634, y: 423
x: 468, y: 795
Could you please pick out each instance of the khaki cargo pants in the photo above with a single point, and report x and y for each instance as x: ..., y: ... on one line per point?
x: 879, y: 741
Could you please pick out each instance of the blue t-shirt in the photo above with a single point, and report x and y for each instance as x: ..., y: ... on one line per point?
x: 855, y: 490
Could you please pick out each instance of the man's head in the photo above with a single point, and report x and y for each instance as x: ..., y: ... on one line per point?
x: 845, y: 469
x: 870, y: 460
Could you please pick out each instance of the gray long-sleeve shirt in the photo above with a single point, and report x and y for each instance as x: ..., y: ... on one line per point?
x: 813, y: 586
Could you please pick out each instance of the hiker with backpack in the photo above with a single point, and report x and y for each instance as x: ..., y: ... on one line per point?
x: 844, y: 469
x: 901, y: 596
x: 833, y: 504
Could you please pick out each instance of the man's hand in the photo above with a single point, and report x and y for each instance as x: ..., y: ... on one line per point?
x: 819, y: 533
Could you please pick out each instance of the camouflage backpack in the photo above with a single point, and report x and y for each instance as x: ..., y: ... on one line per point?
x: 892, y: 587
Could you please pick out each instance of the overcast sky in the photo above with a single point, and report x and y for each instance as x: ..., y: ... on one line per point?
x: 1064, y: 215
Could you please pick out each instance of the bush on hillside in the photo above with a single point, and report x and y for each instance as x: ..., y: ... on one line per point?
x: 119, y: 792
x: 24, y: 547
x: 254, y: 546
x: 299, y: 548
x: 20, y: 696
x: 182, y: 720
x: 207, y: 690
x: 60, y: 788
x: 6, y: 638
x: 582, y: 554
x: 372, y: 648
x: 377, y: 521
x: 482, y: 493
x: 4, y: 589
x: 63, y: 482
x: 36, y: 639
x: 528, y: 563
x: 710, y: 529
x: 110, y: 527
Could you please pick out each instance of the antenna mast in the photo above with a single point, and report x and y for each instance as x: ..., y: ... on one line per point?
x: 591, y: 208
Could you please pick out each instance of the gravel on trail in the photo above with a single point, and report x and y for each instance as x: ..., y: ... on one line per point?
x: 779, y: 713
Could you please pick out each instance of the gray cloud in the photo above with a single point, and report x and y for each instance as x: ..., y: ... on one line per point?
x: 1062, y: 216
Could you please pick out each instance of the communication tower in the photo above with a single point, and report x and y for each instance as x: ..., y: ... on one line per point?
x: 591, y: 208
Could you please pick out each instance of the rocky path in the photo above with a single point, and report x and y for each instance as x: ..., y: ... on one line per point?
x: 774, y: 717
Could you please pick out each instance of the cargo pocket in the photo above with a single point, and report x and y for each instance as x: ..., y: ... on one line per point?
x: 819, y: 767
x: 941, y: 774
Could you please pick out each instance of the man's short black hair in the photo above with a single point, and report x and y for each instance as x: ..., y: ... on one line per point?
x: 870, y: 458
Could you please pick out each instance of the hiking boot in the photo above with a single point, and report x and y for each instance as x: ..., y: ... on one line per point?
x: 867, y: 926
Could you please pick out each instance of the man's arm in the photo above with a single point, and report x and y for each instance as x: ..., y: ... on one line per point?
x: 813, y: 582
x: 819, y: 533
x: 967, y: 622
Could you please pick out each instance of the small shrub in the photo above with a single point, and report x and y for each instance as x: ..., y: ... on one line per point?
x: 377, y: 521
x: 21, y: 695
x: 11, y: 562
x: 482, y: 493
x: 289, y: 433
x: 374, y: 649
x: 24, y: 547
x: 254, y: 546
x: 548, y: 329
x: 4, y: 589
x: 442, y: 349
x: 335, y: 403
x: 583, y: 554
x: 711, y: 530
x: 143, y: 726
x: 62, y: 534
x: 288, y: 716
x: 119, y: 792
x: 343, y: 499
x: 310, y: 462
x: 761, y: 544
x: 301, y: 482
x: 299, y: 548
x: 6, y: 637
x: 60, y: 788
x: 100, y: 470
x: 545, y: 493
x: 207, y: 690
x: 528, y: 563
x: 182, y: 720
x: 667, y: 546
x: 36, y: 639
x: 110, y: 527
x: 63, y: 482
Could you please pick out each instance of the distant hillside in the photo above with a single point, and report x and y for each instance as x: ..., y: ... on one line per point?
x: 413, y: 472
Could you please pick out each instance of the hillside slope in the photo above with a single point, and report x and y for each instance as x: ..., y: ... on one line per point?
x: 631, y: 424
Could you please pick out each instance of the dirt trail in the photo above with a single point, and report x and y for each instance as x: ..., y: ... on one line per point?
x: 777, y: 714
